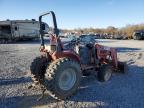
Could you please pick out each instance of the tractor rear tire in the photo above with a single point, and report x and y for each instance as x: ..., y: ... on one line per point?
x: 37, y: 68
x: 122, y: 66
x: 104, y: 73
x: 62, y: 78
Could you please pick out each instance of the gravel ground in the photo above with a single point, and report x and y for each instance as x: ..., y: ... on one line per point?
x: 122, y: 91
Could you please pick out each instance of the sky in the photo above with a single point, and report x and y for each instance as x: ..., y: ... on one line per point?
x: 77, y: 13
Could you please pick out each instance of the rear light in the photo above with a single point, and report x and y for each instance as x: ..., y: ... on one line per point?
x: 51, y: 48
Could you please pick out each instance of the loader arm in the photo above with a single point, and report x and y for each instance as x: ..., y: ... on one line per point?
x: 104, y: 53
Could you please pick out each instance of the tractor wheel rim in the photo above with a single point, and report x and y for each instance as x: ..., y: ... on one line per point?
x: 107, y: 75
x: 67, y: 79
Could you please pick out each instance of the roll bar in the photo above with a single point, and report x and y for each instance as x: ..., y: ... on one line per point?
x: 56, y: 31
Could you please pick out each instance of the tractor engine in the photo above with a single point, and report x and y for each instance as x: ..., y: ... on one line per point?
x: 85, y: 53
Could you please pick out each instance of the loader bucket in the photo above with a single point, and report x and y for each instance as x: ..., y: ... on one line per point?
x: 122, y: 67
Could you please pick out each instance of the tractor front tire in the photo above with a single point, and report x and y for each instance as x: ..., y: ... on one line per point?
x: 104, y: 73
x: 62, y: 78
x: 37, y: 68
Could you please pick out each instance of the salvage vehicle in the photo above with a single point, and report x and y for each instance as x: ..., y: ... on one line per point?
x: 11, y: 30
x: 138, y: 35
x: 60, y: 70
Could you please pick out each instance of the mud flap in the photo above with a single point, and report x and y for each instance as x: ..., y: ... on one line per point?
x: 122, y: 67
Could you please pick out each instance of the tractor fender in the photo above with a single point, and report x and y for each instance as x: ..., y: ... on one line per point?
x: 68, y: 54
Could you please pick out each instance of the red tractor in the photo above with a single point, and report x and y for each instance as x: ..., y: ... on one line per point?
x: 59, y: 70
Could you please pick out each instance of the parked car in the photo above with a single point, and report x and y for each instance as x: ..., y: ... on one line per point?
x: 138, y: 35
